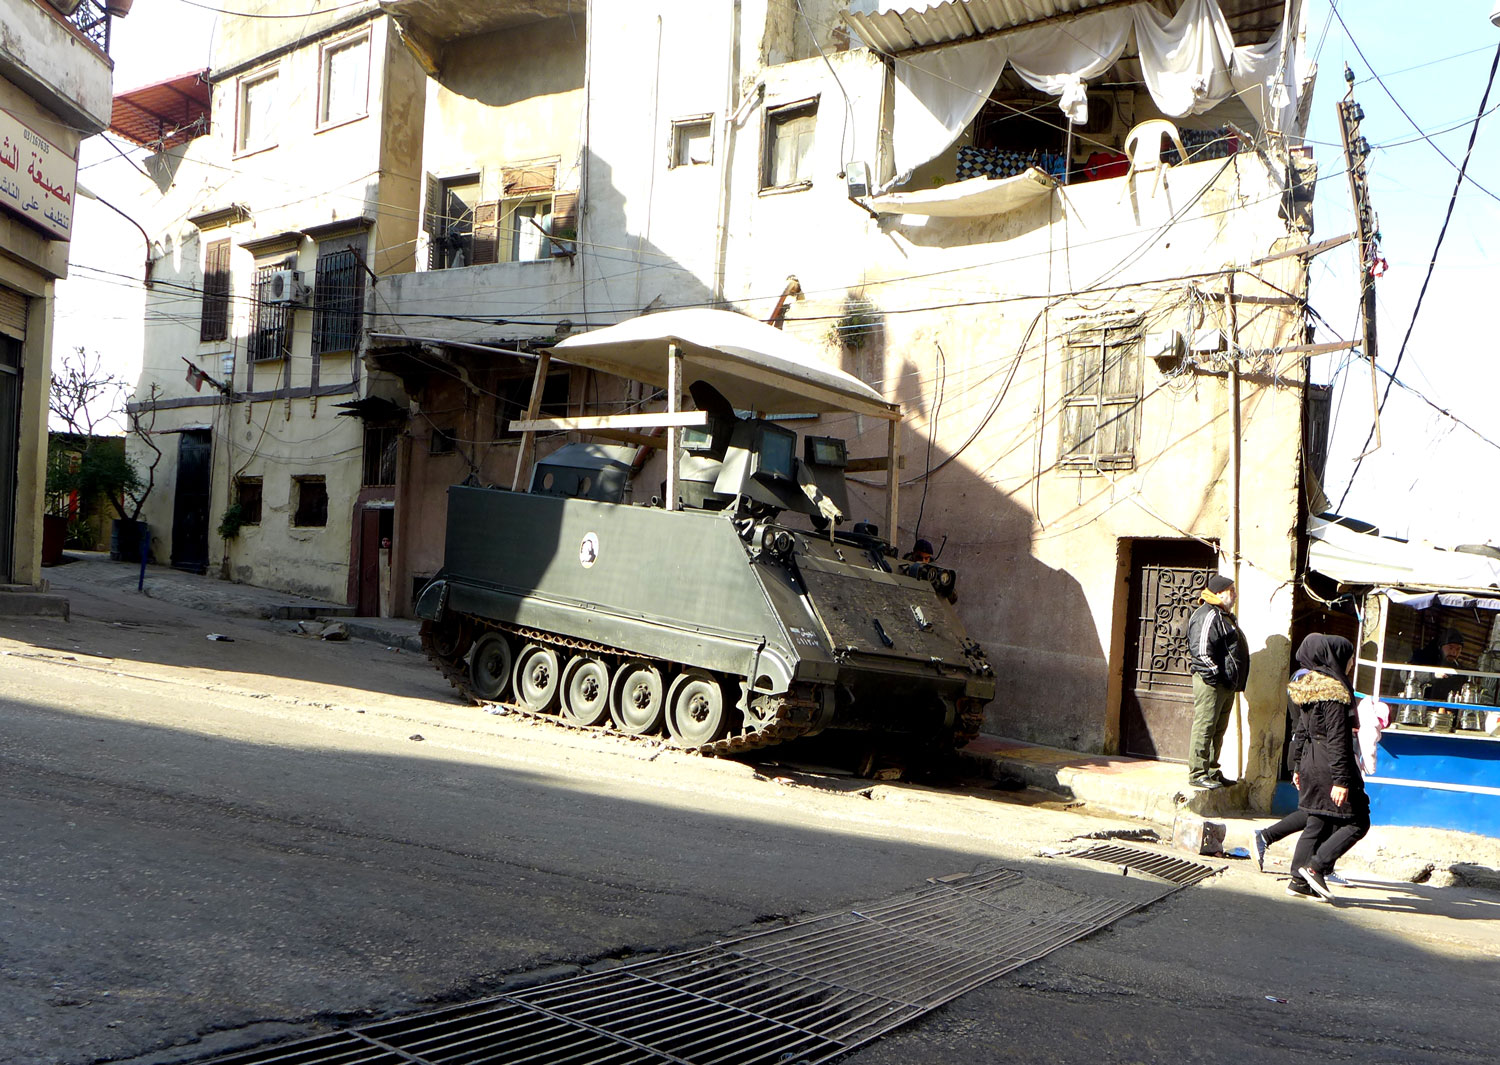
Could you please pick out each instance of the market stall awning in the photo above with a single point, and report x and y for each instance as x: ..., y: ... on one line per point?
x: 165, y: 114
x: 755, y: 366
x: 974, y: 198
x: 1356, y: 558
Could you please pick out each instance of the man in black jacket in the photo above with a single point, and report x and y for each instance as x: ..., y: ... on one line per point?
x: 1220, y: 663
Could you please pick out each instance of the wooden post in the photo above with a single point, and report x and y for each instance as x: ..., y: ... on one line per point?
x: 1234, y: 429
x: 674, y: 434
x: 528, y: 439
x: 1242, y: 717
x: 892, y: 481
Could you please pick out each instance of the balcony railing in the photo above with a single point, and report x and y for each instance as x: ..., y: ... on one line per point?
x: 91, y: 20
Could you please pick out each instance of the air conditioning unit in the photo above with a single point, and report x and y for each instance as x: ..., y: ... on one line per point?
x: 285, y: 289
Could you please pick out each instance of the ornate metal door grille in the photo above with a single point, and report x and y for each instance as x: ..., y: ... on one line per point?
x: 1166, y: 578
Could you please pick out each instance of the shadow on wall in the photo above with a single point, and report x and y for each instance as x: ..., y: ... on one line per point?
x: 1034, y: 622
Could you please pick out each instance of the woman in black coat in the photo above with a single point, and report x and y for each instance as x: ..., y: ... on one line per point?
x: 1329, y: 786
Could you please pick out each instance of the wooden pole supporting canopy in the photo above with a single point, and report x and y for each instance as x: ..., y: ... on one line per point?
x: 674, y: 433
x: 528, y: 439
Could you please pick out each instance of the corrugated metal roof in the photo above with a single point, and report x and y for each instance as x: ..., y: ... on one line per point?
x: 894, y: 29
x: 165, y: 114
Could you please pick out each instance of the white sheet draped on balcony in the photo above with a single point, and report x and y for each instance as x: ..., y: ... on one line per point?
x: 1189, y: 61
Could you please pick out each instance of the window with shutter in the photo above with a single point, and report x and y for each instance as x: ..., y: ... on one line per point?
x: 486, y: 233
x: 564, y: 223
x: 1101, y: 395
x: 214, y: 321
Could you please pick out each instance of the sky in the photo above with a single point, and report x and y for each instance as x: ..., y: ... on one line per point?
x: 1439, y: 435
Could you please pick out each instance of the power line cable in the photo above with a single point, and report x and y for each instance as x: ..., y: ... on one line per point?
x: 1448, y: 217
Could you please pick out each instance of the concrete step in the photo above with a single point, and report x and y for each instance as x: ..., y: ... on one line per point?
x: 33, y: 604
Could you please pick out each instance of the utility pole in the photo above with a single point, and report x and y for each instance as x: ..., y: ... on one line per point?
x: 1366, y: 229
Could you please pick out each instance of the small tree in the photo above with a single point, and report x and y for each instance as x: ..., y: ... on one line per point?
x: 83, y: 397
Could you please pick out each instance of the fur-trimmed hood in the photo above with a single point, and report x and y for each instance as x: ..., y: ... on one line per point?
x: 1317, y: 688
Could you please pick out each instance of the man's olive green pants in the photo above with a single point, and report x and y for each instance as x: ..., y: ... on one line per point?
x: 1211, y: 708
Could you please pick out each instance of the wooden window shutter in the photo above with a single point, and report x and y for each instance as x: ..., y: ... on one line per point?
x: 432, y: 223
x: 564, y: 222
x: 214, y: 321
x: 12, y: 313
x: 486, y: 233
x: 519, y: 180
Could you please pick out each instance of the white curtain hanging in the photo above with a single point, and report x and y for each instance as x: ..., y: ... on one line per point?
x: 1190, y: 61
x: 937, y: 94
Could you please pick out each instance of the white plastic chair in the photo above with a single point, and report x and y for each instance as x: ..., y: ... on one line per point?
x: 1144, y: 144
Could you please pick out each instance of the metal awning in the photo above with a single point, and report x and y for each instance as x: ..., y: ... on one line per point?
x: 974, y: 198
x: 911, y: 25
x: 165, y: 114
x: 755, y: 366
x: 1355, y: 558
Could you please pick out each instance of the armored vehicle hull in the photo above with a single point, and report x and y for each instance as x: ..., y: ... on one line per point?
x: 723, y: 633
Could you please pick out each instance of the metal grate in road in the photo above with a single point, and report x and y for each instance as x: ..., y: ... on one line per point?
x: 805, y: 994
x: 1166, y: 867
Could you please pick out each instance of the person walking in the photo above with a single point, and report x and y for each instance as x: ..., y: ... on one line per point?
x: 1219, y: 660
x: 1329, y: 786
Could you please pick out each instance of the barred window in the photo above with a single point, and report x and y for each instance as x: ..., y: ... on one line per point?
x: 1101, y: 395
x: 214, y: 324
x: 381, y: 443
x: 338, y: 296
x: 271, y: 332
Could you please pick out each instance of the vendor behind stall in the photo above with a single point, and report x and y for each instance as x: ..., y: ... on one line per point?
x: 1442, y: 652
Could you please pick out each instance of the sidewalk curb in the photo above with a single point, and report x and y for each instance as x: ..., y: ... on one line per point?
x: 376, y: 630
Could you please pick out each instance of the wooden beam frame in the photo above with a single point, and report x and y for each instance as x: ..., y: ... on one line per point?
x: 528, y: 439
x: 674, y: 433
x: 892, y: 480
x: 594, y: 423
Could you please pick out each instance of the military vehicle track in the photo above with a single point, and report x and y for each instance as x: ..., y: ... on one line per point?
x: 774, y: 727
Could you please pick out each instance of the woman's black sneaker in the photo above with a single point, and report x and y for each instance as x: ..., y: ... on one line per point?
x: 1298, y: 890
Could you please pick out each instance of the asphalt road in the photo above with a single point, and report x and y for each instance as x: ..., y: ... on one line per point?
x: 205, y: 844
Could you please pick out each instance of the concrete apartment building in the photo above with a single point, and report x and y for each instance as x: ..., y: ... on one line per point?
x: 1073, y: 245
x: 275, y: 203
x: 55, y: 75
x: 1098, y: 341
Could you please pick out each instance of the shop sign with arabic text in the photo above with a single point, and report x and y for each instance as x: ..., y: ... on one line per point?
x: 38, y: 180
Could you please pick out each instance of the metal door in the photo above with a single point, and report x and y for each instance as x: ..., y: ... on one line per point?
x: 367, y: 598
x: 10, y: 442
x: 190, y: 506
x: 1156, y: 718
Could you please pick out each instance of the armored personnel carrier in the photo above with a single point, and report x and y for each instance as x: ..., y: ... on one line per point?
x: 741, y: 615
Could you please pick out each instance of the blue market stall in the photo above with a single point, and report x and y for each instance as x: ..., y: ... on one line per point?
x: 1429, y: 649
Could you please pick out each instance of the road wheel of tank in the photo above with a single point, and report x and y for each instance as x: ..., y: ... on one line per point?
x: 489, y: 666
x: 448, y: 639
x: 636, y: 700
x: 585, y: 691
x: 696, y: 712
x: 537, y: 678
